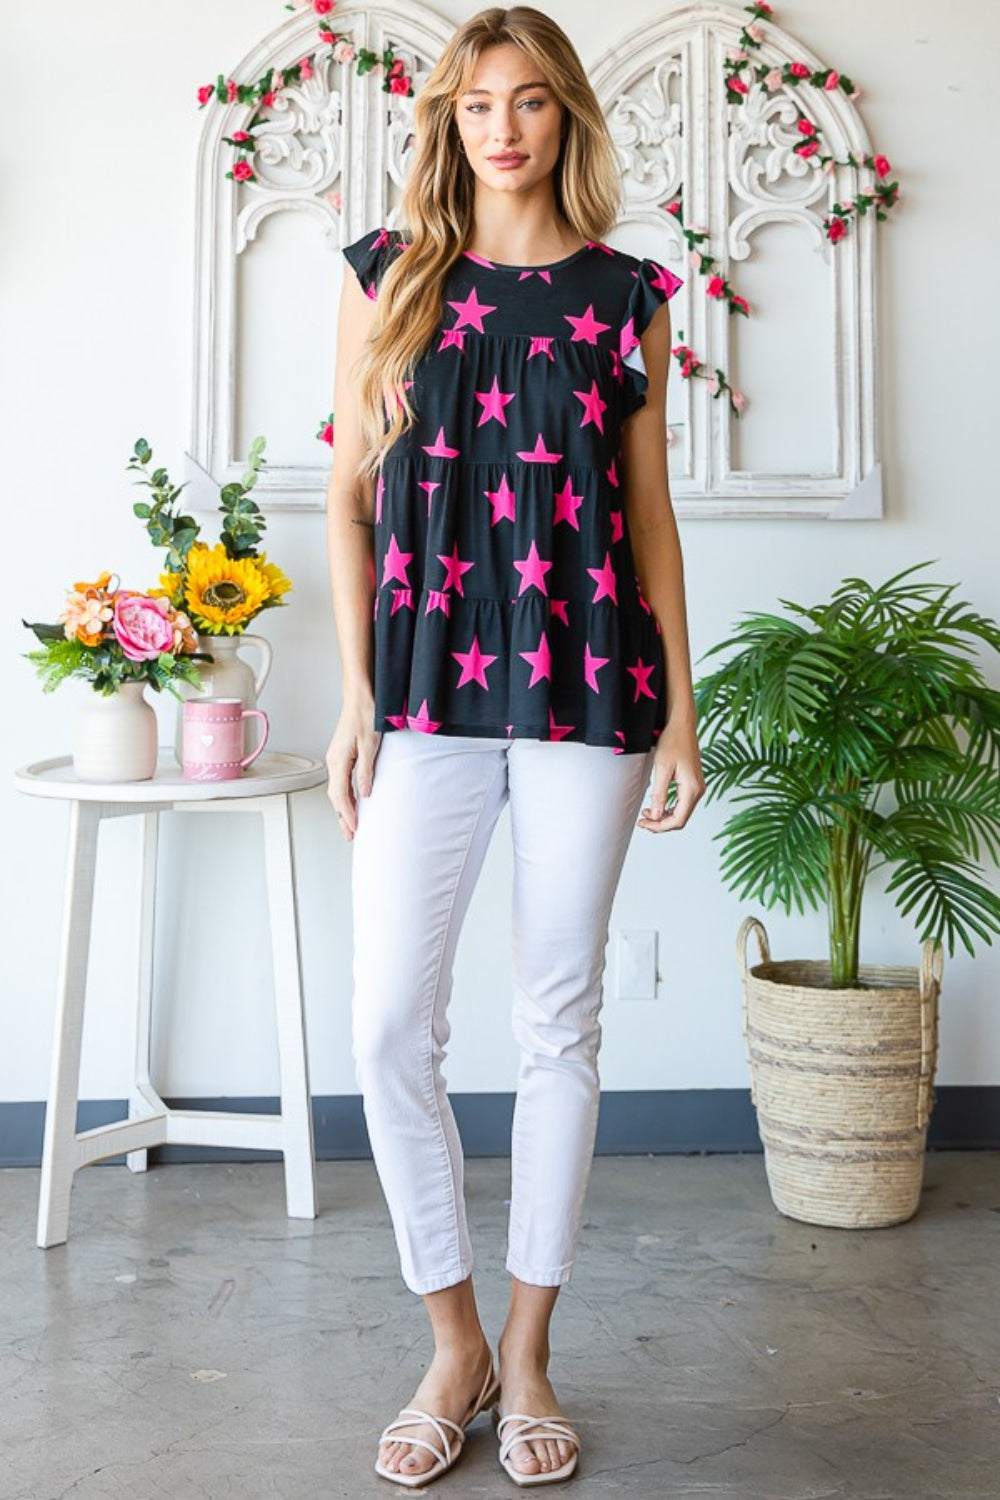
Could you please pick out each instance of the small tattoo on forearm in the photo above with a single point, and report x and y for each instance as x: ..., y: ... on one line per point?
x: 358, y: 521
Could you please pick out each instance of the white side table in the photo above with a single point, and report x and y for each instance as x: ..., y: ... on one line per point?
x: 264, y: 788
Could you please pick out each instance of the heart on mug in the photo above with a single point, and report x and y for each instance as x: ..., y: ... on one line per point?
x: 208, y: 739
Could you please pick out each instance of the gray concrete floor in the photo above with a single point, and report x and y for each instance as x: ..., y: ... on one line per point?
x: 190, y: 1340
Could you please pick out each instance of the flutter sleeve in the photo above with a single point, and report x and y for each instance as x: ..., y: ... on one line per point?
x: 654, y: 285
x: 368, y: 256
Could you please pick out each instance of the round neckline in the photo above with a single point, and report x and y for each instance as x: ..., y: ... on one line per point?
x: 552, y: 265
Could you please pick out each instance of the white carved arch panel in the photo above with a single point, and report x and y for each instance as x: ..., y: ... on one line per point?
x: 330, y: 164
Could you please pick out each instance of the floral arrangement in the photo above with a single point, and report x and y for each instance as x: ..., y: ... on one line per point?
x: 262, y: 94
x: 221, y: 588
x: 109, y: 636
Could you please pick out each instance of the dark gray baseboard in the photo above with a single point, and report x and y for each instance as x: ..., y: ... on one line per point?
x: 632, y: 1122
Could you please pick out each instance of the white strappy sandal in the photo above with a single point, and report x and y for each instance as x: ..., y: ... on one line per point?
x: 550, y: 1427
x: 451, y: 1448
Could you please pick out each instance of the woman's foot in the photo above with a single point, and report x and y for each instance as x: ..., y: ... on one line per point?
x: 526, y: 1388
x: 450, y: 1387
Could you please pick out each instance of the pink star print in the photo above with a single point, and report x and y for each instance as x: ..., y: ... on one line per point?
x: 665, y: 281
x: 592, y: 665
x: 567, y: 505
x: 471, y: 312
x: 541, y: 344
x: 430, y: 485
x: 620, y: 749
x: 612, y: 473
x: 539, y: 454
x: 545, y: 275
x: 452, y: 338
x: 378, y: 496
x: 438, y: 599
x: 439, y: 448
x: 617, y: 525
x: 540, y: 661
x: 399, y: 720
x: 532, y: 570
x: 642, y: 673
x: 422, y: 720
x: 474, y: 663
x: 586, y: 328
x: 629, y: 339
x: 605, y: 579
x: 557, y: 607
x: 401, y: 599
x: 558, y: 731
x: 593, y: 407
x: 494, y: 400
x: 454, y: 568
x: 396, y: 562
x: 502, y: 501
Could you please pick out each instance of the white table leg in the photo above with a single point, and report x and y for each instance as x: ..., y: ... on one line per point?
x: 64, y: 1080
x: 296, y: 1109
x: 138, y: 1105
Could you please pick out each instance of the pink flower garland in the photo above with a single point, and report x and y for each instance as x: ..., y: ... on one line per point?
x: 262, y: 94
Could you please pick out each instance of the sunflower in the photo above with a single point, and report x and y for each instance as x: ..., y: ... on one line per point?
x: 222, y: 594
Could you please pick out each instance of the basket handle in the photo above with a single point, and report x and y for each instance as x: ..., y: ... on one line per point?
x: 748, y: 925
x: 931, y: 970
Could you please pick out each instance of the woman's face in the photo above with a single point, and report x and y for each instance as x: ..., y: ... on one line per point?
x: 509, y: 121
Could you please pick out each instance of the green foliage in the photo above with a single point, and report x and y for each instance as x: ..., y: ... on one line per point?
x: 243, y: 522
x: 861, y: 736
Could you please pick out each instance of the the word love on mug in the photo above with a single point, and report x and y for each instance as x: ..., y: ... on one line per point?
x: 213, y: 738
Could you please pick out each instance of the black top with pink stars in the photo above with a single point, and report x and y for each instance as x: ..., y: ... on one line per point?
x: 507, y: 600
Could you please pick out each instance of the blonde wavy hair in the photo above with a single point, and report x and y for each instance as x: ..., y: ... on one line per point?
x: 436, y: 209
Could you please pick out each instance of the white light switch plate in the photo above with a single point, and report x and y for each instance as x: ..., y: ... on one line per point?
x: 636, y: 968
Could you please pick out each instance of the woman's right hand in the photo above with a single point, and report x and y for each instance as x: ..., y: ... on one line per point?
x: 355, y: 744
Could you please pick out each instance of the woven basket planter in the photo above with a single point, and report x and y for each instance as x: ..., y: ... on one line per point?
x: 843, y: 1082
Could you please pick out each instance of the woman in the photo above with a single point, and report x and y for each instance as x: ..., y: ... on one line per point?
x: 508, y: 595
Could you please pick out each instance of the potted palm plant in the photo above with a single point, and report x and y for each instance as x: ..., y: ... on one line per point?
x: 862, y: 737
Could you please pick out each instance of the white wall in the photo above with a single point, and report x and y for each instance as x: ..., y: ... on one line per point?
x: 96, y: 162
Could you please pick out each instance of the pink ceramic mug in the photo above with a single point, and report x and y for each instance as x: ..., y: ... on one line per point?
x: 213, y: 738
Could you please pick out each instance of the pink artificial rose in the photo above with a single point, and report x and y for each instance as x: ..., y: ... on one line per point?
x: 736, y: 54
x: 322, y: 7
x: 242, y: 171
x: 694, y: 259
x: 343, y: 52
x: 266, y: 100
x: 305, y: 70
x: 241, y: 135
x: 326, y: 433
x: 716, y: 286
x: 399, y: 85
x: 832, y: 79
x: 713, y: 383
x: 806, y: 127
x: 674, y: 207
x: 397, y: 68
x: 327, y: 36
x: 739, y: 400
x: 686, y: 367
x: 808, y: 148
x: 205, y: 92
x: 278, y: 81
x: 773, y: 80
x: 882, y: 166
x: 740, y: 302
x: 231, y: 90
x: 755, y: 31
x: 736, y: 84
x: 762, y: 5
x: 798, y: 70
x: 836, y: 229
x: 142, y: 627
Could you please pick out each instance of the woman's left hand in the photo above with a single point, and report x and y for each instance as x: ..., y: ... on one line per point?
x: 677, y: 759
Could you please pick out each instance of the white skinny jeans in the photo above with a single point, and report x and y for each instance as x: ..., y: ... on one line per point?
x: 417, y: 852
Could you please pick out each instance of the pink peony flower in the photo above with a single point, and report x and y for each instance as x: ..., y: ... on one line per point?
x: 242, y: 171
x: 882, y: 166
x: 798, y: 70
x: 832, y: 79
x: 205, y: 92
x: 141, y: 626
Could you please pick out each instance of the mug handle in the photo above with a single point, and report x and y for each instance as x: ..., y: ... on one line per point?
x: 259, y: 714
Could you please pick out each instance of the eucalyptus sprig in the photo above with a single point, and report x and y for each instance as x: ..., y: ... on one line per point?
x: 243, y: 522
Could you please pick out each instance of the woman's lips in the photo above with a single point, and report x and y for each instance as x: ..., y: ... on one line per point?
x: 507, y: 161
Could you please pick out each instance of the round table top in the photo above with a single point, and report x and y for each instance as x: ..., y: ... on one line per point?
x: 273, y: 772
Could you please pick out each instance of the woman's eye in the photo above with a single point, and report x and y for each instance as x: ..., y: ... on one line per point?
x: 474, y: 109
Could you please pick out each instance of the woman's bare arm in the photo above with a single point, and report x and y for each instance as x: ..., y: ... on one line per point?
x: 351, y: 549
x: 659, y: 567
